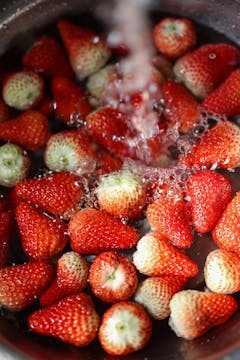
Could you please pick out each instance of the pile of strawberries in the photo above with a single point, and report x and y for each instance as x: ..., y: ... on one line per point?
x: 77, y: 216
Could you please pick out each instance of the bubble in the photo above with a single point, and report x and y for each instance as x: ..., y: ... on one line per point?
x: 212, y: 56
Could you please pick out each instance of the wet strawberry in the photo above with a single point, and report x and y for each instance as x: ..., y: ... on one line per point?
x: 121, y: 193
x: 70, y: 151
x: 112, y: 277
x: 46, y: 56
x: 181, y: 106
x: 72, y: 319
x: 72, y: 276
x: 203, y: 69
x: 219, y: 146
x: 5, y: 235
x: 222, y: 271
x: 227, y: 231
x: 209, y: 193
x: 155, y: 293
x: 20, y: 285
x: 170, y: 217
x: 93, y: 231
x: 225, y: 99
x: 156, y: 257
x: 58, y: 193
x: 87, y: 51
x: 29, y: 130
x: 194, y: 312
x: 23, y: 90
x: 174, y: 37
x: 71, y: 103
x: 14, y: 165
x: 41, y: 236
x: 125, y: 328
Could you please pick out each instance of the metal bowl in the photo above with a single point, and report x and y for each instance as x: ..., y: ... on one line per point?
x: 20, y: 21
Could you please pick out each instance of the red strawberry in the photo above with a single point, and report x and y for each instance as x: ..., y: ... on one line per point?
x: 203, y: 69
x: 107, y: 127
x: 5, y: 233
x: 47, y: 57
x: 225, y: 99
x: 218, y: 146
x: 174, y: 37
x: 156, y: 257
x: 209, y: 193
x: 222, y: 272
x: 4, y: 111
x: 14, y: 165
x: 180, y: 106
x: 87, y: 51
x: 41, y: 236
x: 71, y: 103
x: 155, y: 293
x: 195, y: 312
x: 20, y: 285
x: 107, y: 163
x: 29, y: 130
x: 23, y: 90
x: 72, y: 276
x: 93, y: 231
x: 70, y: 151
x: 112, y: 277
x: 226, y: 233
x: 125, y: 328
x: 122, y: 193
x: 72, y: 319
x: 46, y: 107
x: 60, y: 193
x: 170, y: 217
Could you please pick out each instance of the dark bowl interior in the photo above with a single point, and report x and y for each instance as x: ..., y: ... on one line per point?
x: 20, y: 22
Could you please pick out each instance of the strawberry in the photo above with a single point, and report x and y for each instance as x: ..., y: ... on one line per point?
x: 225, y: 99
x: 70, y: 151
x: 209, y: 194
x: 112, y: 277
x: 29, y: 130
x: 155, y: 293
x: 226, y: 233
x: 60, y: 193
x: 156, y: 257
x: 180, y: 106
x: 47, y: 57
x: 108, y: 128
x: 222, y: 272
x: 125, y: 328
x: 203, y: 69
x: 46, y: 107
x: 41, y: 236
x: 122, y: 193
x: 72, y: 319
x: 20, y: 285
x: 4, y: 111
x: 23, y: 90
x: 72, y: 276
x: 93, y: 231
x: 219, y: 146
x: 5, y: 234
x: 87, y: 51
x: 170, y: 217
x: 101, y: 83
x: 71, y: 103
x: 174, y: 37
x: 106, y: 163
x: 195, y: 312
x: 14, y: 165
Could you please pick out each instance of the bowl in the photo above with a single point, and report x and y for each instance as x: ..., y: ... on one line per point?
x: 20, y: 22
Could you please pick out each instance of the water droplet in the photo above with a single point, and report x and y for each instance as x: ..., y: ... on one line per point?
x: 212, y: 56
